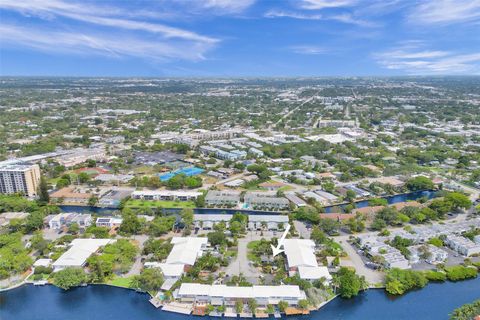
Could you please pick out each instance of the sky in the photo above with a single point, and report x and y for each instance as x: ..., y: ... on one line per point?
x: 239, y: 38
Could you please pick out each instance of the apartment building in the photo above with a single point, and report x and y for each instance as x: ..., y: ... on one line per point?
x: 20, y: 178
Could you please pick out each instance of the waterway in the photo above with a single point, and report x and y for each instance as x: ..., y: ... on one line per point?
x: 433, y: 302
x: 359, y: 204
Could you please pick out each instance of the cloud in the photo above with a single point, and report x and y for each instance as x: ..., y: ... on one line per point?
x: 107, y: 44
x: 153, y: 40
x: 293, y: 15
x: 228, y: 6
x: 446, y: 12
x: 307, y: 49
x: 413, y: 58
x: 346, y: 18
x: 324, y: 4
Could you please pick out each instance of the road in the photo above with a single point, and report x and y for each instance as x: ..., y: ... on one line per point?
x: 289, y: 113
x: 354, y: 260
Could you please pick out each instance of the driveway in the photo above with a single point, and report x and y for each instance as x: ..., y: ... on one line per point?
x: 354, y: 260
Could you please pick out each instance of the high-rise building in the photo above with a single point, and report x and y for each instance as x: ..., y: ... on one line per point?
x: 20, y: 178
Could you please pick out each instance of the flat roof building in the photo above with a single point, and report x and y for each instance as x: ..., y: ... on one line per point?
x: 20, y: 178
x: 80, y: 250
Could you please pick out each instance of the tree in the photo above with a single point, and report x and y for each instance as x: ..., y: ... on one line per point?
x: 252, y: 305
x: 236, y: 228
x: 282, y: 305
x: 239, y: 306
x: 458, y: 200
x: 74, y: 228
x: 378, y: 202
x: 130, y: 223
x: 148, y: 280
x: 398, y: 281
x: 69, y: 277
x: 350, y: 195
x: 217, y: 238
x: 43, y: 195
x: 303, y: 304
x: 329, y: 226
x: 349, y: 283
x: 83, y: 177
x: 318, y: 236
x: 187, y: 217
x: 92, y: 200
x: 419, y: 183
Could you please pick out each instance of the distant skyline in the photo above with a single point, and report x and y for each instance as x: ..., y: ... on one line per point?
x: 239, y: 38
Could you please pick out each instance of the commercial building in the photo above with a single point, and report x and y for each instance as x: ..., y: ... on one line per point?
x: 20, y: 178
x: 222, y: 295
x: 81, y: 155
x: 80, y: 250
x: 222, y: 198
x: 166, y: 195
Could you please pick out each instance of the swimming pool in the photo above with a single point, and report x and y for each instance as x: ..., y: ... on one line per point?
x: 190, y: 171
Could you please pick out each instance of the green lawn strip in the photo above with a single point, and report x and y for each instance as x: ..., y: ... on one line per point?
x: 120, y: 282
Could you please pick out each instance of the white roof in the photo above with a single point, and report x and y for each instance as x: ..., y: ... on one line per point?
x: 300, y: 252
x: 42, y: 263
x: 212, y: 217
x: 167, y: 193
x: 185, y: 250
x: 283, y: 291
x: 168, y: 270
x: 79, y: 252
x: 268, y: 218
x: 314, y: 273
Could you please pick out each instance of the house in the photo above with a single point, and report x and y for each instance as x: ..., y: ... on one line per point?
x: 6, y: 217
x: 208, y: 221
x: 265, y: 200
x: 462, y: 245
x: 427, y: 252
x: 270, y: 222
x: 166, y: 195
x: 228, y: 198
x: 301, y: 260
x: 272, y: 185
x: 78, y: 253
x: 61, y: 220
x: 186, y: 250
x: 295, y: 200
x: 71, y: 195
x: 222, y: 295
x: 108, y: 222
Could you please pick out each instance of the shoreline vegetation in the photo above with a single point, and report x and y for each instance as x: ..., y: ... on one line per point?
x: 468, y: 311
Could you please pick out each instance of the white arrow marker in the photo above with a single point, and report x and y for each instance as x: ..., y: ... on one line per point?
x: 277, y: 250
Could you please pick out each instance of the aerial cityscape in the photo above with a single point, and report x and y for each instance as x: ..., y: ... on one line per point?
x: 306, y: 193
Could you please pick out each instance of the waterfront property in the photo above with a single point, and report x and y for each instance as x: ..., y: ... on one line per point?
x: 166, y: 195
x: 208, y: 221
x: 78, y: 253
x: 227, y: 198
x: 265, y: 200
x: 301, y: 260
x: 222, y: 295
x: 268, y: 222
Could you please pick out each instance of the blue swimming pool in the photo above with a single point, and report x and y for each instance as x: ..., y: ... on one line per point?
x: 190, y: 171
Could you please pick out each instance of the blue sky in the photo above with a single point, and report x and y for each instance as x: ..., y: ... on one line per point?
x: 239, y: 37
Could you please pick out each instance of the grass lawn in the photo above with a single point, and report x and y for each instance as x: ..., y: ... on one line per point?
x: 120, y: 282
x: 135, y: 203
